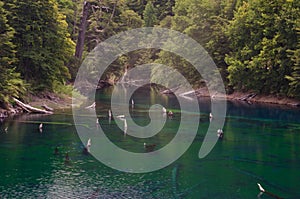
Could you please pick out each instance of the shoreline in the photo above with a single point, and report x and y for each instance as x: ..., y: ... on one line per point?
x: 265, y: 99
x: 252, y: 98
x: 59, y: 103
x: 54, y: 101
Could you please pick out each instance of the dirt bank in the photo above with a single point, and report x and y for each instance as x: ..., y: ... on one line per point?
x: 259, y: 98
x: 61, y: 102
x: 253, y: 98
x: 51, y: 100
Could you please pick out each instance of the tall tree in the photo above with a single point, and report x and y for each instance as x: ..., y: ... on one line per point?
x: 294, y: 78
x: 149, y: 15
x: 164, y: 8
x: 206, y: 22
x: 42, y: 41
x: 130, y: 19
x: 261, y: 35
x: 11, y: 84
x: 137, y: 6
x: 69, y: 8
x: 82, y: 30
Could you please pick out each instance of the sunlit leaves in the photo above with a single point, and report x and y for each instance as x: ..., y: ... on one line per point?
x: 43, y: 42
x: 261, y: 34
x: 11, y: 83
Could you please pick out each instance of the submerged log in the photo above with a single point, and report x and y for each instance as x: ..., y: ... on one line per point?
x: 176, y: 195
x: 262, y: 191
x: 31, y: 109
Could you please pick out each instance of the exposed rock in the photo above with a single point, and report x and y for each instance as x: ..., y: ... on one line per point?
x: 169, y: 91
x: 103, y: 84
x: 247, y: 97
x: 295, y: 104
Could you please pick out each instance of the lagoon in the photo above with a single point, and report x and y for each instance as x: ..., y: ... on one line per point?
x: 261, y: 144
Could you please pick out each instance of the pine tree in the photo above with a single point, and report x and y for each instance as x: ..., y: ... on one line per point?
x: 294, y: 78
x: 43, y: 43
x: 261, y: 35
x: 149, y: 15
x: 11, y: 85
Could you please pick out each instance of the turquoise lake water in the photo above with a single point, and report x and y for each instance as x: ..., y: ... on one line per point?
x: 261, y: 144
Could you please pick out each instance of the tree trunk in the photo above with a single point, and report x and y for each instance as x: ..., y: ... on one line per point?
x: 82, y: 30
x: 31, y: 109
x: 75, y: 2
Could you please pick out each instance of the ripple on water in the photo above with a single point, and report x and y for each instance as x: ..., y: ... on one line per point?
x: 255, y: 148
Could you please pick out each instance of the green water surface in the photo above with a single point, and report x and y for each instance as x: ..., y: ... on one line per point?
x: 261, y: 145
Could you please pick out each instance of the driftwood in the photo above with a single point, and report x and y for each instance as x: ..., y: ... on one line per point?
x: 170, y: 91
x: 91, y: 106
x: 31, y: 109
x: 47, y: 108
x: 262, y: 191
x: 248, y: 97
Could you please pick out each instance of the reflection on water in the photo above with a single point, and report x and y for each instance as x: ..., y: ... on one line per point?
x: 261, y: 144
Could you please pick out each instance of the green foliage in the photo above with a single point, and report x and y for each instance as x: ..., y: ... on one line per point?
x: 107, y: 18
x: 6, y: 35
x: 149, y: 15
x: 43, y: 43
x: 254, y: 43
x: 62, y: 88
x: 261, y: 34
x: 294, y: 78
x: 137, y: 6
x: 206, y: 22
x: 11, y: 85
x: 164, y: 8
x: 131, y: 19
x: 181, y: 65
x: 69, y: 9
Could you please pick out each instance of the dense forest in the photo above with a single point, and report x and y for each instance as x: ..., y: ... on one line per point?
x: 254, y: 43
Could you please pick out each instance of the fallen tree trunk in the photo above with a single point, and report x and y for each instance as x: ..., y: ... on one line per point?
x: 31, y: 109
x: 47, y: 108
